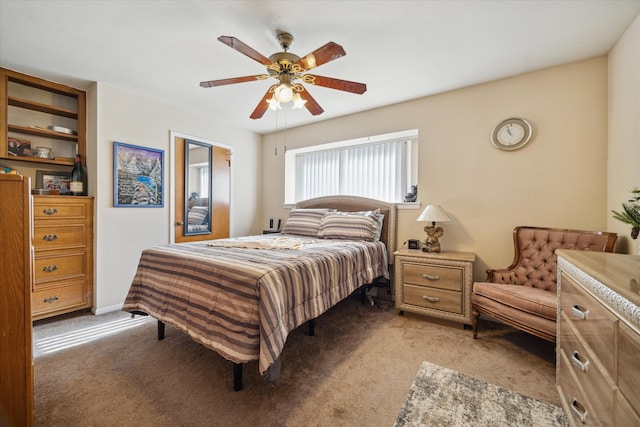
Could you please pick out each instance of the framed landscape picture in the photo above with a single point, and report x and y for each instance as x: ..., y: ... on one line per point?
x: 138, y: 176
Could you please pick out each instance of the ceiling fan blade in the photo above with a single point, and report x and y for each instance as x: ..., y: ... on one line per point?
x: 332, y: 83
x: 322, y: 55
x: 236, y: 44
x: 263, y: 105
x: 222, y: 82
x: 311, y: 104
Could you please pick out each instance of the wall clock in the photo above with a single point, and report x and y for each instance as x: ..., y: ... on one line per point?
x: 511, y: 134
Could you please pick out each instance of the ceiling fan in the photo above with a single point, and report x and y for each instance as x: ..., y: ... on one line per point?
x: 289, y: 71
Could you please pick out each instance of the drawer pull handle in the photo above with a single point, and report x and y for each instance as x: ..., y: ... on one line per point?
x: 50, y: 268
x: 51, y: 299
x: 50, y: 237
x: 50, y: 211
x: 580, y: 312
x: 430, y: 299
x: 430, y: 277
x: 580, y: 410
x: 575, y: 359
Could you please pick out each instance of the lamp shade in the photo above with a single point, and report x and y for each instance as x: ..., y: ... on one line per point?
x: 433, y: 213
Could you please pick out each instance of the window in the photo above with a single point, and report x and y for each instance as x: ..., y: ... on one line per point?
x: 379, y: 167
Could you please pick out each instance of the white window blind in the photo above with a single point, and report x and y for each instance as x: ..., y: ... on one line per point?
x: 379, y: 170
x: 204, y: 179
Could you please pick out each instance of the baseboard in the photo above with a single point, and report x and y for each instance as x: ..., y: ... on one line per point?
x: 104, y: 310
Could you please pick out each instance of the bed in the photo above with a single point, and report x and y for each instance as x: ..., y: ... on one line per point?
x: 241, y: 297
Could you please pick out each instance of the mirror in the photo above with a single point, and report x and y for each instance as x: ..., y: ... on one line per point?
x: 197, y: 192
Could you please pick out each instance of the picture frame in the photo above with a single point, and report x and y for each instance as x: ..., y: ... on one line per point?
x: 54, y: 180
x: 138, y: 176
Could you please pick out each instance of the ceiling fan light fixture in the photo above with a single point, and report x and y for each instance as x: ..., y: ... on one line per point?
x: 283, y: 93
x: 274, y: 104
x: 298, y: 102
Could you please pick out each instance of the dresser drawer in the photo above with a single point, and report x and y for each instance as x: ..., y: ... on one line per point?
x: 433, y: 298
x: 433, y: 276
x: 59, y: 298
x: 594, y: 323
x: 625, y: 415
x: 575, y: 403
x: 59, y: 236
x: 629, y: 365
x: 587, y: 370
x: 54, y: 267
x: 60, y: 208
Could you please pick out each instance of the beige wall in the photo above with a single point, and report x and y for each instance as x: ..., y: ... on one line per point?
x: 122, y: 233
x: 623, y: 170
x: 557, y: 180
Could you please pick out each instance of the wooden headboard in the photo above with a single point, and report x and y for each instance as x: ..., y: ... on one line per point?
x: 356, y: 204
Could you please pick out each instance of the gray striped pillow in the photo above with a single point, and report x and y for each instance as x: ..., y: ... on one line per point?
x: 350, y: 225
x: 305, y: 222
x: 197, y: 215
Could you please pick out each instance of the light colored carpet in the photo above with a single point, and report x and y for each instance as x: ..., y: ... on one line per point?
x: 110, y: 370
x: 444, y: 397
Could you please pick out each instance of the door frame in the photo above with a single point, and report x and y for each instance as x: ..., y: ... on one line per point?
x: 173, y: 135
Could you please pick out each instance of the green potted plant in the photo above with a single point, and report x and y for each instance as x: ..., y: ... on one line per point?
x: 631, y: 213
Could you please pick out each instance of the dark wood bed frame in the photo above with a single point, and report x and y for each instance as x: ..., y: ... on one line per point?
x: 343, y: 204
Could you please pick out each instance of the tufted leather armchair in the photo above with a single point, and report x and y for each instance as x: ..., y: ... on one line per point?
x: 524, y: 295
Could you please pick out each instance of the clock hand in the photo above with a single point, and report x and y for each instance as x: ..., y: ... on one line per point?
x: 509, y: 129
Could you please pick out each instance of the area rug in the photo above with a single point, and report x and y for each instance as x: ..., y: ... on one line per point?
x: 443, y: 397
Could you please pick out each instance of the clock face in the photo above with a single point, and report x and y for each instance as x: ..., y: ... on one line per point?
x: 511, y: 134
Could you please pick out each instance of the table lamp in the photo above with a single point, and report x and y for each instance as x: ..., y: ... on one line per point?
x: 433, y: 214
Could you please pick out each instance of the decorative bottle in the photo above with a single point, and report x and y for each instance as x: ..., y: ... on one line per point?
x: 78, y: 185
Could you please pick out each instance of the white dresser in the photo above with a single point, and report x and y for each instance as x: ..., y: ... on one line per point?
x: 598, y: 347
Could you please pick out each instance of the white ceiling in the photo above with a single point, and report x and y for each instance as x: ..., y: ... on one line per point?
x: 401, y: 49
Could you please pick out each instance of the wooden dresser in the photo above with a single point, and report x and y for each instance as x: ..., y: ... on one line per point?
x: 63, y: 244
x: 16, y: 360
x: 598, y: 347
x: 434, y: 284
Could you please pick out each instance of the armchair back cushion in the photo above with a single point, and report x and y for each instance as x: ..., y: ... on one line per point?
x: 535, y: 248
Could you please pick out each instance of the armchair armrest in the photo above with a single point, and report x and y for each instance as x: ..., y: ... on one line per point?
x: 501, y: 275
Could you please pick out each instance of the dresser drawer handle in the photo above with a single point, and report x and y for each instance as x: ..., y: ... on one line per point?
x: 50, y: 237
x: 579, y: 312
x: 51, y: 299
x: 430, y: 299
x: 50, y: 268
x: 575, y: 359
x: 580, y: 410
x: 430, y: 277
x: 50, y: 211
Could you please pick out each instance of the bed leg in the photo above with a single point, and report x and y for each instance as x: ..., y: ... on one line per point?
x: 160, y: 330
x: 312, y: 327
x: 237, y: 376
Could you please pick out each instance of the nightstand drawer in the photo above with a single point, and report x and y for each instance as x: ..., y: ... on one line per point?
x: 433, y: 298
x: 433, y: 276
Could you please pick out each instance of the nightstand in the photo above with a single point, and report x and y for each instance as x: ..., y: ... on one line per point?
x: 434, y: 284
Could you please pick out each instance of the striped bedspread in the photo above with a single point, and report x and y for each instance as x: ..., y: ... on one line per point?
x: 242, y: 301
